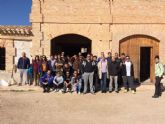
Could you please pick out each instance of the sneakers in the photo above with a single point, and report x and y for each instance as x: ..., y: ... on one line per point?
x: 133, y: 91
x: 125, y: 91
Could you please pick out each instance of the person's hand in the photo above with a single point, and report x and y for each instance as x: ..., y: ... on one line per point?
x: 45, y: 83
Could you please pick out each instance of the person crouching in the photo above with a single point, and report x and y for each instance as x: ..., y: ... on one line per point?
x: 67, y: 83
x: 58, y: 82
x: 46, y: 81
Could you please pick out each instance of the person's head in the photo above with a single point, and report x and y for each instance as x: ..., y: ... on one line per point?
x: 109, y: 54
x: 156, y: 59
x: 75, y: 73
x: 102, y: 54
x: 80, y: 54
x: 58, y: 74
x: 62, y: 53
x: 127, y: 58
x: 88, y: 57
x: 122, y: 55
x: 116, y: 55
x: 67, y: 74
x: 95, y: 58
x: 91, y: 56
x: 49, y: 72
x: 55, y: 57
x: 66, y: 65
x: 23, y: 54
x: 113, y: 59
x: 81, y: 57
x: 37, y: 58
x: 51, y: 57
x: 44, y: 58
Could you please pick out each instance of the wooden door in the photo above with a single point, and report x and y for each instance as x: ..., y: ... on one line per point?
x: 131, y: 46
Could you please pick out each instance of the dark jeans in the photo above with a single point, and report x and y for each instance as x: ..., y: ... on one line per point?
x: 158, y: 91
x: 46, y: 87
x: 60, y: 86
x: 128, y: 82
x: 96, y: 82
x: 103, y: 82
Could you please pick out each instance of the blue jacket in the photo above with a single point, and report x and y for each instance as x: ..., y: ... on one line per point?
x: 47, y: 78
x: 23, y: 63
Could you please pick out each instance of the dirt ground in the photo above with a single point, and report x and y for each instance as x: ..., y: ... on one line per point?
x: 34, y: 107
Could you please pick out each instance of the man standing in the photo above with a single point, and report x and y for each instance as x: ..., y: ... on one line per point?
x: 159, y: 70
x: 23, y: 65
x: 113, y: 68
x: 128, y: 75
x: 88, y: 67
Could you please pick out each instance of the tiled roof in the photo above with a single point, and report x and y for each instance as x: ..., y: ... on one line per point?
x: 16, y: 31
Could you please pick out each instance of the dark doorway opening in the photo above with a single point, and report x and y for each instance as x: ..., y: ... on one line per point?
x: 145, y: 62
x: 2, y: 58
x: 71, y: 44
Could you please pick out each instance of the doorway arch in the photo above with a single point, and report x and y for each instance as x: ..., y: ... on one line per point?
x: 142, y: 50
x: 70, y: 44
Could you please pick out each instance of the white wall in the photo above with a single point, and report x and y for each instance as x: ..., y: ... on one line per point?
x: 22, y: 46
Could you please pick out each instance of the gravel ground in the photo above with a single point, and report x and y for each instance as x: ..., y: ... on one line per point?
x: 28, y: 105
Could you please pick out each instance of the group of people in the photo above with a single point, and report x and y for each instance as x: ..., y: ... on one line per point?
x: 74, y: 74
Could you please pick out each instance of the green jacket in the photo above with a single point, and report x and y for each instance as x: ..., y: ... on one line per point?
x: 159, y: 69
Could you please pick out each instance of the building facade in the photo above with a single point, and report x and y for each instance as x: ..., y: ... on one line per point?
x: 135, y: 27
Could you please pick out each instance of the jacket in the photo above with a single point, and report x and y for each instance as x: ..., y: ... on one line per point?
x: 100, y: 69
x: 113, y: 68
x: 23, y: 63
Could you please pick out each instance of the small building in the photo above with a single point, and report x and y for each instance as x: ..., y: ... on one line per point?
x: 135, y: 27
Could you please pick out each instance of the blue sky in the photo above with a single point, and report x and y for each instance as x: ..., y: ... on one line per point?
x: 15, y: 12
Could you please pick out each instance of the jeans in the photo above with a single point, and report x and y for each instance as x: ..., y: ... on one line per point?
x: 88, y: 76
x: 128, y: 82
x: 158, y: 91
x: 115, y: 79
x: 77, y: 87
x: 23, y: 76
x: 103, y: 82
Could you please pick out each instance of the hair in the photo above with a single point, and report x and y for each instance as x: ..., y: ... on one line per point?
x: 123, y: 54
x: 157, y: 57
x: 37, y: 56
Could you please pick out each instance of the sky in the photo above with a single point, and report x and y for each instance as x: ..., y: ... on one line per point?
x: 15, y: 12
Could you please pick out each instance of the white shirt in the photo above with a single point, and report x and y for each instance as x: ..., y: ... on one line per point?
x: 128, y: 68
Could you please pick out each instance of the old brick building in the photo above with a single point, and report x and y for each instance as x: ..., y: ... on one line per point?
x: 136, y: 27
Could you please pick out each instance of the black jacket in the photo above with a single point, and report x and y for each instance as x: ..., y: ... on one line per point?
x: 113, y: 68
x: 124, y: 71
x: 88, y: 66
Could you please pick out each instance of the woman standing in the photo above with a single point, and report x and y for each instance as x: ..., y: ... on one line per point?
x: 44, y: 65
x: 36, y: 63
x: 103, y: 73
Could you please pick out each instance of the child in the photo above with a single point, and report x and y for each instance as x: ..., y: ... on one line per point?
x: 58, y: 82
x: 76, y: 82
x: 46, y: 81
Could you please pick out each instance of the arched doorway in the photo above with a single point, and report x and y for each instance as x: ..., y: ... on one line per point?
x: 142, y: 50
x: 70, y: 44
x: 2, y: 58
